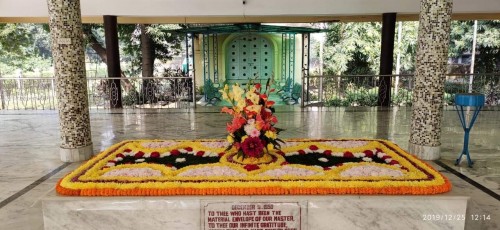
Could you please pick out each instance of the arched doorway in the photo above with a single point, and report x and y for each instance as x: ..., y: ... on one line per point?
x: 249, y: 56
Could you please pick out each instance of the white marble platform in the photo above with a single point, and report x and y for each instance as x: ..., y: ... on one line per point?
x: 316, y: 212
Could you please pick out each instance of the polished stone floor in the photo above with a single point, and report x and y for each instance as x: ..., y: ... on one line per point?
x: 29, y: 148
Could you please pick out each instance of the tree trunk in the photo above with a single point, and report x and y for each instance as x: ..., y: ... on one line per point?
x: 101, y: 51
x: 2, y: 99
x: 148, y: 57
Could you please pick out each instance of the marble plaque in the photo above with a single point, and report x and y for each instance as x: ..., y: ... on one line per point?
x: 64, y: 41
x: 251, y: 215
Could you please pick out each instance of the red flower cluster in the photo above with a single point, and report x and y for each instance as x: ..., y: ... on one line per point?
x: 253, y: 146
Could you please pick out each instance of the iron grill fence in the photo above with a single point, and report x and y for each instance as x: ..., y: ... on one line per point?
x: 177, y: 92
x: 154, y: 92
x: 363, y: 90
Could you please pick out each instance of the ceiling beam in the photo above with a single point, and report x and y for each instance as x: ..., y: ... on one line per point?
x: 252, y: 19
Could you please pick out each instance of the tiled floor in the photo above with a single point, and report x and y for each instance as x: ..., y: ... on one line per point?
x: 29, y: 147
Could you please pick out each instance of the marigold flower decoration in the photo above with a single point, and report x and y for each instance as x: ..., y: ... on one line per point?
x: 251, y: 132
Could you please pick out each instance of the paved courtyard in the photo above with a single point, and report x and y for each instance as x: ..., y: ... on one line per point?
x: 30, y: 165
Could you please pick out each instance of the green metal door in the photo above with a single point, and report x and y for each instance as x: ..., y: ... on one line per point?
x: 249, y: 56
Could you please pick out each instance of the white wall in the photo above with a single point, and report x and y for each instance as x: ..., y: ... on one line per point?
x: 186, y: 8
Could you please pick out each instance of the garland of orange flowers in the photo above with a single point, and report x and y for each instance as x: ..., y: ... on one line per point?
x: 93, y: 185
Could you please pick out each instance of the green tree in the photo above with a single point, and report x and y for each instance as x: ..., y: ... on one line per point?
x: 164, y: 44
x: 408, y: 46
x: 148, y: 44
x: 352, y: 48
x: 140, y: 46
x: 161, y: 43
x: 24, y: 46
x: 487, y: 43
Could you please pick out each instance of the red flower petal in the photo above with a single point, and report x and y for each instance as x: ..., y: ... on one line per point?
x: 281, y: 153
x: 328, y: 152
x: 111, y: 161
x: 127, y: 150
x: 227, y: 110
x: 251, y: 167
x: 252, y: 147
x: 313, y: 147
x: 394, y: 162
x: 189, y: 149
x: 284, y: 163
x: 221, y: 154
x: 249, y: 102
x: 326, y: 168
x: 139, y: 154
x: 379, y: 150
x: 385, y: 157
x: 269, y: 103
x: 348, y: 155
x: 200, y: 153
x: 175, y: 152
x: 155, y: 155
x: 302, y: 152
x: 120, y: 155
x: 368, y: 153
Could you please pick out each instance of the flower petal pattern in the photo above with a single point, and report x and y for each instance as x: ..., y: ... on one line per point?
x: 308, y: 166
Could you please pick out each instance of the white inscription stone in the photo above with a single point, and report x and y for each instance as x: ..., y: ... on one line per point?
x: 251, y: 215
x: 64, y: 41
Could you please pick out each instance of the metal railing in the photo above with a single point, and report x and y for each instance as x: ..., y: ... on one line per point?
x: 147, y: 92
x: 27, y: 93
x: 152, y: 92
x: 177, y: 92
x: 363, y: 90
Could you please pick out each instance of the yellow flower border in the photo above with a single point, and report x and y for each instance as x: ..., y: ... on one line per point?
x: 87, y: 180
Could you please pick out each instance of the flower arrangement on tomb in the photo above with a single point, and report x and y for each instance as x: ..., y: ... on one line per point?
x: 252, y: 161
x: 251, y: 132
x: 302, y: 166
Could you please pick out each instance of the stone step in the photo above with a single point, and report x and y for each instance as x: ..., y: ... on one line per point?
x: 255, y: 212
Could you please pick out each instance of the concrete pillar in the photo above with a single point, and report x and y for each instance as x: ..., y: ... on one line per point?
x: 386, y: 58
x: 432, y: 56
x: 71, y: 84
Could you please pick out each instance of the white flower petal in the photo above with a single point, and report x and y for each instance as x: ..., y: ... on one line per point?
x: 211, y: 171
x: 322, y: 159
x: 367, y: 159
x: 180, y: 160
x: 370, y: 170
x: 133, y: 172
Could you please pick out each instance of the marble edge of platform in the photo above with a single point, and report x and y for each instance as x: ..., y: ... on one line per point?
x: 53, y: 196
